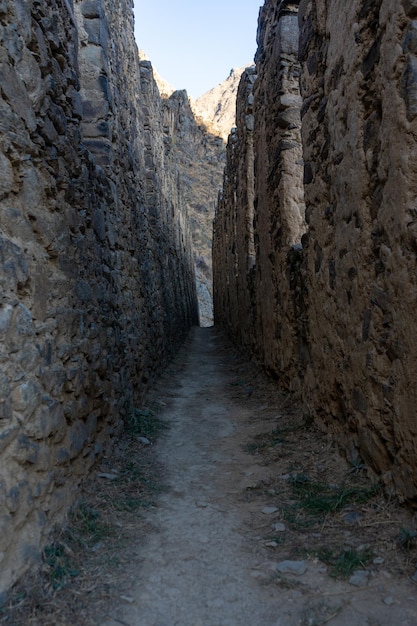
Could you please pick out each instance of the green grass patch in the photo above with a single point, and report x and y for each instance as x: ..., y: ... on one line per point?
x: 58, y: 564
x: 88, y: 527
x: 143, y: 422
x: 342, y: 564
x: 131, y: 504
x: 320, y: 499
x: 294, y: 516
x: 407, y: 539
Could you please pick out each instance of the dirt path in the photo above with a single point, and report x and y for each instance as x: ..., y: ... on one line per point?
x: 220, y: 530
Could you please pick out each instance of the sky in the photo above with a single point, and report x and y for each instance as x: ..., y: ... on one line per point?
x: 194, y: 44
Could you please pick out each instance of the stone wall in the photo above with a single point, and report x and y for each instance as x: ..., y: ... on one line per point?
x: 332, y: 312
x: 359, y: 128
x: 233, y: 236
x: 96, y: 268
x: 260, y: 219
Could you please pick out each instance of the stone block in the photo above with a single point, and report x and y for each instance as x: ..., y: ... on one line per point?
x: 74, y: 98
x: 13, y: 88
x: 48, y: 421
x: 6, y: 176
x: 78, y: 436
x: 94, y: 55
x: 26, y: 398
x: 91, y: 9
x: 409, y: 87
x: 7, y: 436
x: 93, y: 28
x: 25, y: 451
x: 13, y: 264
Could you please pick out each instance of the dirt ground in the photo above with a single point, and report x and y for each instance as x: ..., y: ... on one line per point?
x: 238, y: 514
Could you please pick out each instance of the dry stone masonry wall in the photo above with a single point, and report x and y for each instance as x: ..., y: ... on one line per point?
x: 331, y: 303
x: 359, y: 128
x: 260, y: 220
x: 96, y: 268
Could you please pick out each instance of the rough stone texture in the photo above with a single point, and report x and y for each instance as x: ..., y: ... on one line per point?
x: 217, y: 107
x: 199, y: 155
x: 334, y: 317
x: 233, y: 236
x: 260, y: 219
x: 359, y: 129
x: 96, y: 268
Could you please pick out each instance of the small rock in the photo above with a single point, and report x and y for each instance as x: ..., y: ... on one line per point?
x: 414, y: 577
x: 127, y: 599
x: 292, y: 567
x: 271, y: 544
x: 269, y: 510
x: 388, y: 601
x: 352, y: 518
x: 279, y: 527
x: 379, y: 560
x: 360, y: 578
x: 144, y: 440
x: 108, y: 476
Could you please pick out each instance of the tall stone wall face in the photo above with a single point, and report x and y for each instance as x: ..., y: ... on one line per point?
x: 96, y: 268
x: 359, y: 130
x: 233, y: 236
x: 332, y: 311
x: 260, y: 217
x: 279, y: 196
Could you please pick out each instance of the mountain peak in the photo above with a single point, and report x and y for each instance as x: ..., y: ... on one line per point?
x: 217, y: 107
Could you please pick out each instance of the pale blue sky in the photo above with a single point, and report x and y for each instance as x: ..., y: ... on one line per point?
x: 194, y: 44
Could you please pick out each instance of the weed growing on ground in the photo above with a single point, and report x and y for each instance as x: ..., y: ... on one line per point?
x: 320, y: 499
x: 407, y: 539
x: 143, y: 422
x: 87, y: 525
x: 344, y: 562
x: 58, y: 564
x: 130, y: 504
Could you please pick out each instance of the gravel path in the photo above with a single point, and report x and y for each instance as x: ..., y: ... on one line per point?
x: 205, y: 564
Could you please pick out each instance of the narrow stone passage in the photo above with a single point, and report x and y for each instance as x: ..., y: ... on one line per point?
x: 196, y: 568
x: 207, y: 561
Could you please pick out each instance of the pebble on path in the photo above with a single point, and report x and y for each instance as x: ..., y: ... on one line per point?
x: 292, y: 567
x: 360, y: 578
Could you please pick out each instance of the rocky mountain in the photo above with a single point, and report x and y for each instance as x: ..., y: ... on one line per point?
x: 217, y: 107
